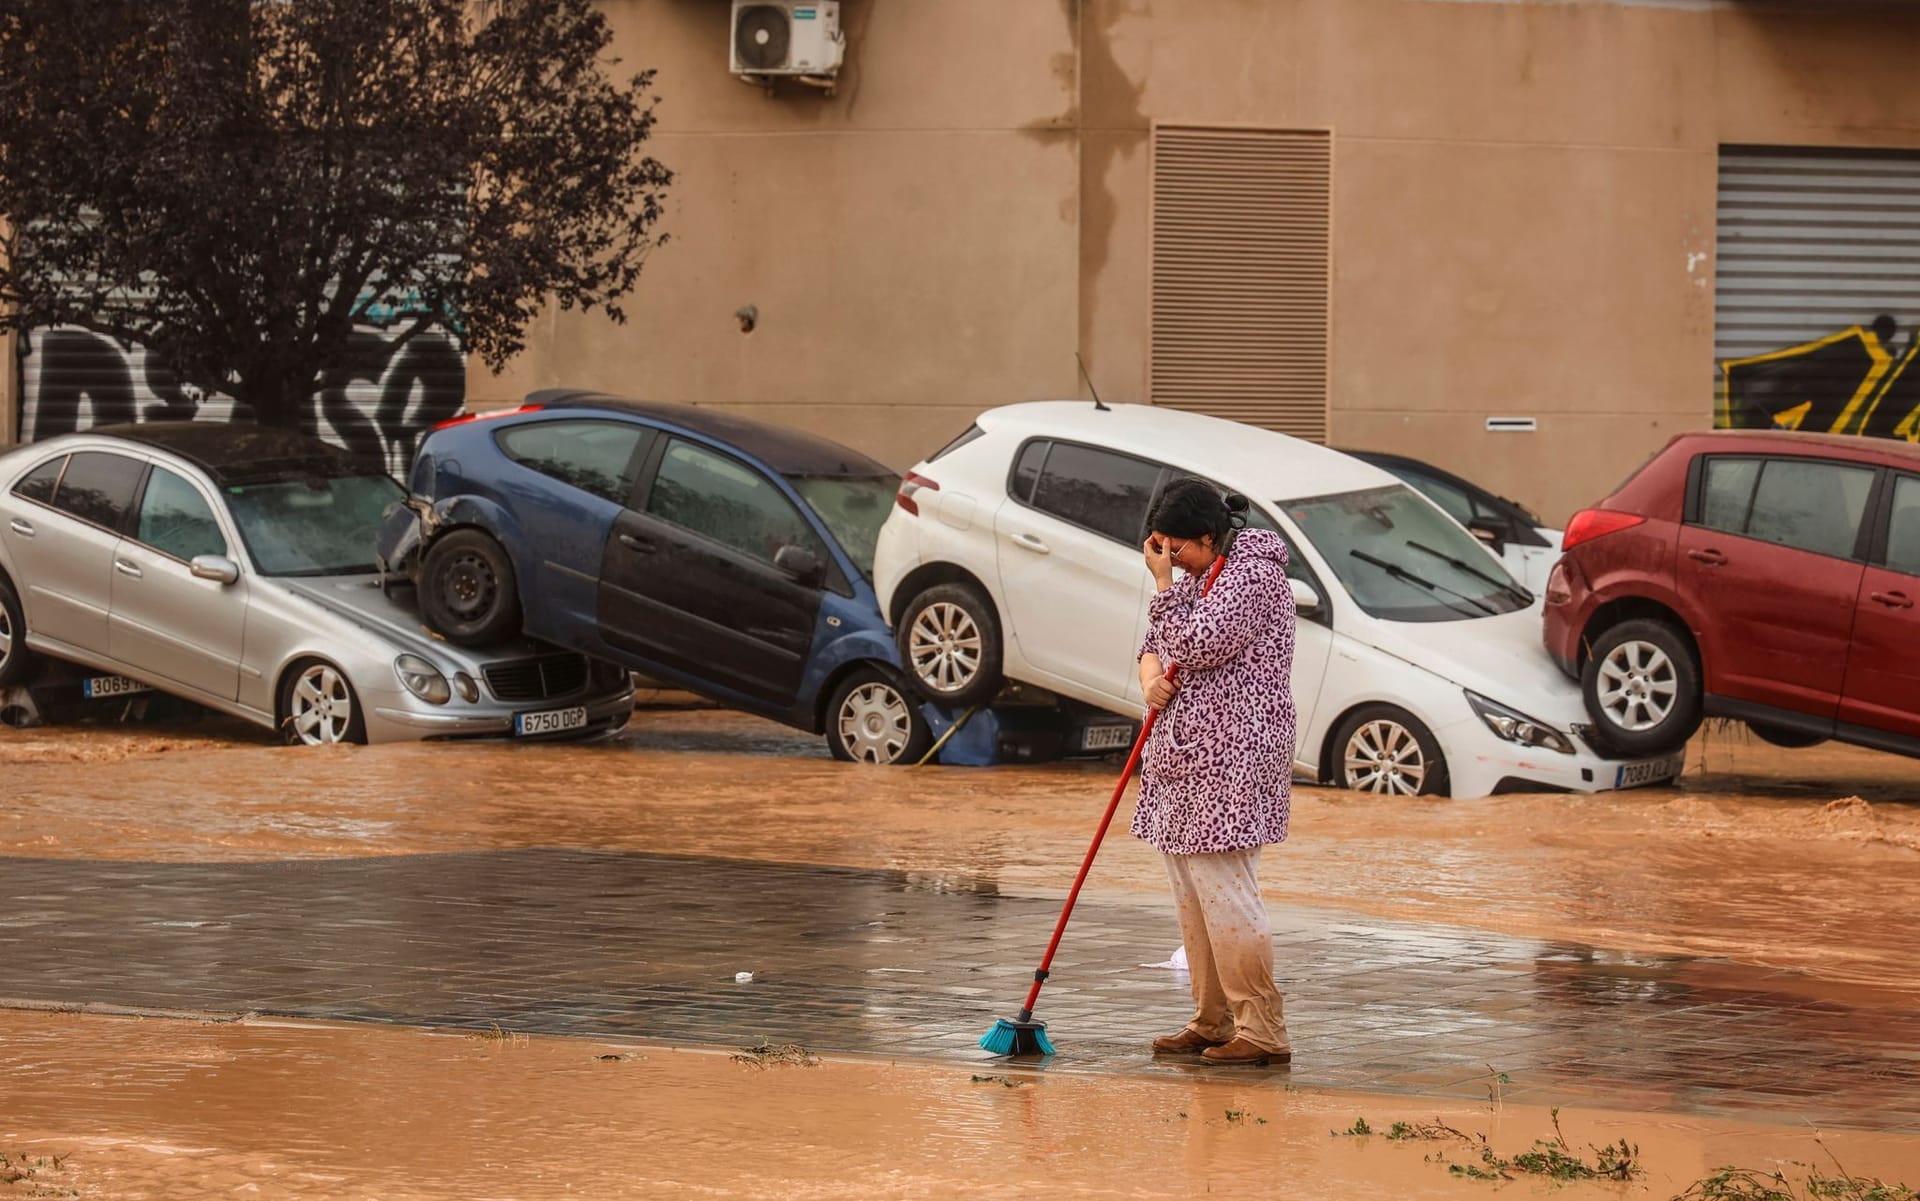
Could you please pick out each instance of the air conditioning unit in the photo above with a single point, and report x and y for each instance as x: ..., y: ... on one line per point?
x: 787, y: 39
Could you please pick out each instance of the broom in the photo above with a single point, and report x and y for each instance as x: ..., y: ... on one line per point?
x: 1023, y: 1035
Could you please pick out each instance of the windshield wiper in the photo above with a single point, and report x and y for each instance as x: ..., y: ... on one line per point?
x: 318, y: 572
x: 1400, y: 573
x: 1512, y: 589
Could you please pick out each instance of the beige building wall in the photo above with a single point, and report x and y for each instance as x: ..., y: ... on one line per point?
x: 1524, y: 207
x: 910, y: 243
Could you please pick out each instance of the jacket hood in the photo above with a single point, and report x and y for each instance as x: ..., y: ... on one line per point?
x: 1259, y: 544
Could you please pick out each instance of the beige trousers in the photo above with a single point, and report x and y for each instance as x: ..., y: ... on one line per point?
x: 1223, y: 922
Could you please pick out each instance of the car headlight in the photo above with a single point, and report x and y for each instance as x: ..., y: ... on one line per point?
x: 422, y: 679
x: 1514, y: 726
x: 464, y: 685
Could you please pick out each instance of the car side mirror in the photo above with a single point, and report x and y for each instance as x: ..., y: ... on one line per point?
x: 800, y: 563
x: 1306, y: 599
x: 218, y: 568
x: 1490, y: 534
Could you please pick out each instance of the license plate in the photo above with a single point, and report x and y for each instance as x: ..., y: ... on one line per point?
x: 105, y: 686
x: 552, y: 721
x: 1106, y: 738
x: 1653, y: 771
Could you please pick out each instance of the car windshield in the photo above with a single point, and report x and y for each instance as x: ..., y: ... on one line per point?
x: 854, y: 508
x: 319, y: 526
x: 1401, y: 558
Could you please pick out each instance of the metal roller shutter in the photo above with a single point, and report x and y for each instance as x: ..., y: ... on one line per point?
x: 1818, y: 290
x: 379, y: 401
x: 1241, y: 244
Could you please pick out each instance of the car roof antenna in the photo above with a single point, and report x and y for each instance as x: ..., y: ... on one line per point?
x: 1083, y: 375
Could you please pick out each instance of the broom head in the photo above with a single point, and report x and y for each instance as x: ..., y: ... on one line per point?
x: 1010, y: 1037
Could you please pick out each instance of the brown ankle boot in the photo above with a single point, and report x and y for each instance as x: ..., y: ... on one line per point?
x: 1241, y: 1053
x: 1184, y: 1043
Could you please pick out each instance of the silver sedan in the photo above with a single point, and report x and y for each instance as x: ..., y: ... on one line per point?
x: 235, y: 566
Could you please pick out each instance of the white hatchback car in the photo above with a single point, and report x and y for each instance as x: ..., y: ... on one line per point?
x: 1013, y: 554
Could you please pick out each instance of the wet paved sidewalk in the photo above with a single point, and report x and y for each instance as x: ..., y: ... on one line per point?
x: 605, y: 944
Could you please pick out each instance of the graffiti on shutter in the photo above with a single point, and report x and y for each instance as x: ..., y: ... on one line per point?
x: 379, y: 401
x: 1817, y: 291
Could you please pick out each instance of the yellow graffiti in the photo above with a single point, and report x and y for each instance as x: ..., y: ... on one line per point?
x: 1749, y: 406
x: 1909, y: 427
x: 1790, y: 419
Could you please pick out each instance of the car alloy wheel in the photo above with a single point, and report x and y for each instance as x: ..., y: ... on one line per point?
x: 1638, y: 685
x: 945, y: 647
x: 320, y: 707
x: 1383, y: 756
x: 17, y: 663
x: 875, y: 724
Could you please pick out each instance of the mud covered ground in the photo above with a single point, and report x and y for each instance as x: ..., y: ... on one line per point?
x: 151, y: 1109
x: 1807, y: 860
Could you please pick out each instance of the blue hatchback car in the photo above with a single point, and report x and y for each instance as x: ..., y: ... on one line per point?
x: 721, y: 554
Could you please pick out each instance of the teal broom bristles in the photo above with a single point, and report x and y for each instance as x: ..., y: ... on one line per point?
x: 1022, y: 1036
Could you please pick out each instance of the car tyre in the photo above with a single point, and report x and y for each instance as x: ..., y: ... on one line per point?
x: 872, y: 718
x: 17, y: 663
x: 1780, y: 736
x: 1641, y: 685
x: 1385, y: 750
x: 949, y: 640
x: 318, y: 706
x: 467, y: 591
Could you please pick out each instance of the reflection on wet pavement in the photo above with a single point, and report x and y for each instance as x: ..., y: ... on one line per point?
x: 917, y: 965
x: 1788, y: 859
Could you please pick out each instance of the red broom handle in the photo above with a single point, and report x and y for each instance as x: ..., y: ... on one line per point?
x: 1113, y: 806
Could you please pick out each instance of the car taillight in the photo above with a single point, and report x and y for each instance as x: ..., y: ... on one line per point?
x: 913, y: 484
x: 463, y: 418
x: 1589, y: 524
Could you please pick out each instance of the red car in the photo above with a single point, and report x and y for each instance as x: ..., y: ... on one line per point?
x: 1764, y: 576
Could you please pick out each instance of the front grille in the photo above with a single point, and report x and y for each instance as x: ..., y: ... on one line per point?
x: 543, y: 679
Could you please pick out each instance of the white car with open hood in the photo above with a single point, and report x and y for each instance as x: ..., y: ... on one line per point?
x: 1013, y: 554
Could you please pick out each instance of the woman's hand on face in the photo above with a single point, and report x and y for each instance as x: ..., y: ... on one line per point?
x: 1160, y: 693
x: 1159, y: 560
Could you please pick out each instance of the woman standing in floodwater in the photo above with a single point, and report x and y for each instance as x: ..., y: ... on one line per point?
x: 1216, y: 777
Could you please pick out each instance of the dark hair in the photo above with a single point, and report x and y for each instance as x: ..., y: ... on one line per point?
x: 1191, y: 508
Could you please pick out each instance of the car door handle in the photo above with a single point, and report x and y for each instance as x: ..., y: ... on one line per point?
x: 1893, y: 600
x: 634, y: 543
x: 1030, y: 542
x: 126, y: 568
x: 1712, y: 558
x: 22, y: 528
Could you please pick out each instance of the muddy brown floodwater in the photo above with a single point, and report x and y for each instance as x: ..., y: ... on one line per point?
x: 1797, y: 859
x: 168, y: 1109
x: 1803, y: 860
